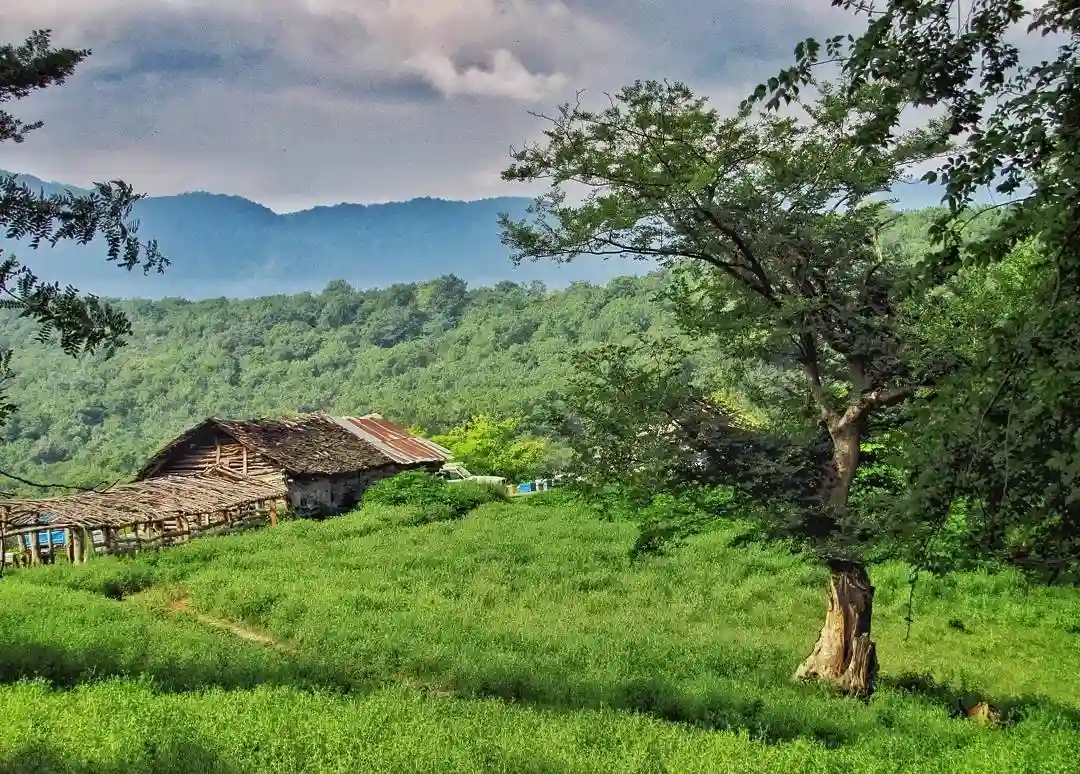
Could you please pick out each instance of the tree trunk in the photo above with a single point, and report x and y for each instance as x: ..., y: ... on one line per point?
x: 844, y: 654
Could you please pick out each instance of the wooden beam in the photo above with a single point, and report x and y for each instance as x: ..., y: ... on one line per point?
x: 244, y: 464
x: 35, y: 548
x: 273, y: 513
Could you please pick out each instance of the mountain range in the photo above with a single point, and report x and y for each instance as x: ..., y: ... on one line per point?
x: 221, y: 245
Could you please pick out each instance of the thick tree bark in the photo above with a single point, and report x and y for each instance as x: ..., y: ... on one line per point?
x: 844, y: 654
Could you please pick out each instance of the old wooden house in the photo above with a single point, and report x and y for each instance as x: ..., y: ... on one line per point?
x: 325, y: 462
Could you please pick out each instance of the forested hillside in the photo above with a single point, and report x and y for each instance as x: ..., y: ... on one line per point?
x: 430, y: 354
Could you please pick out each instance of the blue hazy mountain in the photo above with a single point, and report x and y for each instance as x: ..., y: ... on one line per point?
x: 230, y: 246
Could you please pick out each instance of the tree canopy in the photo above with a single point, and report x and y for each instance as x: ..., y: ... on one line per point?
x: 82, y: 322
x: 1004, y: 75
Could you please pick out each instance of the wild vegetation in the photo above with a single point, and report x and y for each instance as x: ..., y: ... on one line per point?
x: 523, y: 637
x: 807, y: 389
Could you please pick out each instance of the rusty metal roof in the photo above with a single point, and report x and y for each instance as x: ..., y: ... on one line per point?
x: 393, y: 440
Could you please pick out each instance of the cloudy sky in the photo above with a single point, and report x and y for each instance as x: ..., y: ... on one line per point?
x: 300, y: 102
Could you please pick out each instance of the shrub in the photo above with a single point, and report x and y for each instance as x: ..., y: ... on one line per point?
x: 469, y: 495
x: 433, y: 498
x: 414, y: 487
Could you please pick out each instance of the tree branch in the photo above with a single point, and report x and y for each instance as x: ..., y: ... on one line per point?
x: 75, y: 487
x: 874, y: 400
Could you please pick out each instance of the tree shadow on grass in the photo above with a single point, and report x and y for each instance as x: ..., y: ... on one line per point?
x: 956, y: 700
x: 657, y: 698
x: 178, y: 757
x: 64, y: 668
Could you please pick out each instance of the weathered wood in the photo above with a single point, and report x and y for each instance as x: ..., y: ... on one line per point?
x: 35, y: 548
x: 273, y: 513
x: 76, y: 546
x: 844, y: 654
x: 69, y: 544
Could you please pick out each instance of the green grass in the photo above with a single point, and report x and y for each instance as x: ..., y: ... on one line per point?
x: 519, y: 639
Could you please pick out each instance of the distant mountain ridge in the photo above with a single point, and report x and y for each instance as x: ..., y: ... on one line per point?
x: 225, y: 245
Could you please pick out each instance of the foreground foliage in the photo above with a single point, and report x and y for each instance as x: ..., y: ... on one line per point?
x: 522, y: 638
x: 430, y: 496
x: 1004, y: 76
x: 81, y: 322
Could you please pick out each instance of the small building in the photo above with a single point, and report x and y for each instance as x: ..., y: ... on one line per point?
x: 128, y: 518
x: 325, y: 462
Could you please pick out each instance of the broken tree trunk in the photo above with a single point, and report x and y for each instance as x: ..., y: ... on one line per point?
x: 844, y: 654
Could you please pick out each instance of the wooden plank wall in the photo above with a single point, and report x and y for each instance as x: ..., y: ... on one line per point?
x: 213, y: 448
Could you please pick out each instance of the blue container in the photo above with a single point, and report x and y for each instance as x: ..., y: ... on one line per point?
x: 52, y: 537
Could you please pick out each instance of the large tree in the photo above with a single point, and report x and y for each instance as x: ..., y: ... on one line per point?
x: 770, y: 228
x: 1006, y: 75
x: 81, y: 322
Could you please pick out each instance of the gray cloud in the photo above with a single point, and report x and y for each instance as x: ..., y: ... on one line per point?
x: 297, y: 102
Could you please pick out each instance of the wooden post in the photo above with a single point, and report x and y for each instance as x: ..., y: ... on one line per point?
x: 76, y: 545
x: 3, y: 541
x: 138, y: 537
x: 87, y: 542
x: 4, y: 513
x: 273, y: 513
x: 244, y: 458
x: 35, y: 548
x: 69, y: 544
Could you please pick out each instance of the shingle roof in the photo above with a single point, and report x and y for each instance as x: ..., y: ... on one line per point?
x: 312, y: 444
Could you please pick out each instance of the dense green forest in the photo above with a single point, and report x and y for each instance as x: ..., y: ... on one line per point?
x: 428, y: 354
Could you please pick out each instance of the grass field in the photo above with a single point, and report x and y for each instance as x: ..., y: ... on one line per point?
x: 520, y: 639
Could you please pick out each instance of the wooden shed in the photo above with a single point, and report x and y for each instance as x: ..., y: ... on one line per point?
x: 132, y: 517
x: 324, y: 462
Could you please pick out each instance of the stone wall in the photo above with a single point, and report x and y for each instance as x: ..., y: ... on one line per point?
x: 329, y: 495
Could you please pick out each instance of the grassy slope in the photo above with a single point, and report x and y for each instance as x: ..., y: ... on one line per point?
x: 521, y: 639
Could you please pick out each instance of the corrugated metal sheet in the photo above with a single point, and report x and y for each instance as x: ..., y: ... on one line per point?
x: 394, y: 441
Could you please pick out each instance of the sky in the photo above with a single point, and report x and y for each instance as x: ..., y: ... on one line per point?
x: 295, y: 103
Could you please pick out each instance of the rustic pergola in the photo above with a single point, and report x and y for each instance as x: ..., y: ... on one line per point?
x: 183, y: 504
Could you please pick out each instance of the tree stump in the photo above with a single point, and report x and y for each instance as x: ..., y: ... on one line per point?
x: 844, y: 654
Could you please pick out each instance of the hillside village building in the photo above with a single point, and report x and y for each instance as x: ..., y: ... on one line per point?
x: 324, y: 462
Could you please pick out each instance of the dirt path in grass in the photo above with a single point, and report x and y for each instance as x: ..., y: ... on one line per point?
x: 183, y: 605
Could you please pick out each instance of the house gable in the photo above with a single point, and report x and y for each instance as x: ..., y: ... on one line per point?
x: 208, y: 446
